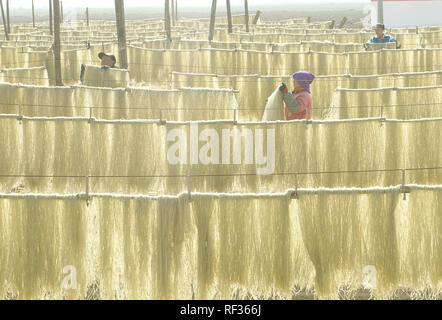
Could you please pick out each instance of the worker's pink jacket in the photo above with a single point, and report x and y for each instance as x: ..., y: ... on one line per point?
x: 305, y: 100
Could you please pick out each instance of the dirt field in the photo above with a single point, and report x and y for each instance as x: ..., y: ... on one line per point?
x: 354, y: 14
x: 317, y: 13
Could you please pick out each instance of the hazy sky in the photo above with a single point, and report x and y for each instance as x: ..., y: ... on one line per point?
x: 159, y: 3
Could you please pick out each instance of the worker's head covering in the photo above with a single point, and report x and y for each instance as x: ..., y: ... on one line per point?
x: 304, y: 78
x: 380, y: 25
x: 110, y: 55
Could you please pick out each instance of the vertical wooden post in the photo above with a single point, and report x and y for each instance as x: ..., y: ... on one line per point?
x: 229, y: 17
x: 212, y: 20
x: 51, y: 29
x: 5, y: 26
x: 121, y: 32
x: 87, y: 17
x: 246, y: 9
x: 172, y: 4
x: 33, y: 14
x: 20, y: 113
x: 167, y: 20
x: 61, y: 12
x: 8, y: 17
x: 342, y: 23
x: 380, y: 11
x: 57, y: 43
x: 176, y: 11
x: 258, y: 14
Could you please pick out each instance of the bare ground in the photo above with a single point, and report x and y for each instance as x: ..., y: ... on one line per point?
x: 354, y: 13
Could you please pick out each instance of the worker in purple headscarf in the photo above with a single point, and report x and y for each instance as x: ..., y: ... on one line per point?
x: 298, y: 104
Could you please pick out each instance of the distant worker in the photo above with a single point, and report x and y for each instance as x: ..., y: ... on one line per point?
x: 381, y: 37
x: 298, y: 104
x: 107, y: 60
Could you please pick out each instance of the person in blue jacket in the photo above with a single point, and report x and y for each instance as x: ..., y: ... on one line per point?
x: 381, y: 37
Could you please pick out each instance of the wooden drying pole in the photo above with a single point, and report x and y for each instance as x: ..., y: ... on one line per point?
x: 258, y: 14
x: 229, y: 16
x: 167, y: 20
x: 4, y: 21
x: 121, y: 32
x: 380, y: 11
x: 212, y: 20
x: 172, y: 5
x: 246, y: 9
x: 33, y: 14
x: 57, y: 43
x: 51, y: 29
x: 176, y: 10
x: 61, y: 12
x: 87, y: 17
x: 8, y: 17
x: 342, y: 23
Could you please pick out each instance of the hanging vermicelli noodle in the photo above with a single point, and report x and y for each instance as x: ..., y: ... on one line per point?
x: 34, y: 76
x: 95, y: 76
x: 322, y: 88
x: 420, y: 228
x: 220, y: 246
x: 274, y: 109
x: 397, y: 103
x: 141, y: 149
x: 184, y: 104
x: 46, y: 236
x: 390, y: 61
x: 344, y: 233
x: 231, y: 62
